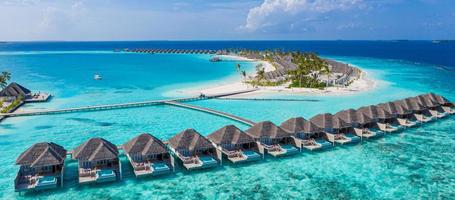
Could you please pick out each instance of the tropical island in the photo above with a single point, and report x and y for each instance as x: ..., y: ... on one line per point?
x: 295, y: 71
x: 14, y: 95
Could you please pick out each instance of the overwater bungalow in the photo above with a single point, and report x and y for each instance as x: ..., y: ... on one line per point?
x: 97, y: 161
x: 41, y: 167
x: 381, y: 117
x: 434, y: 107
x: 386, y: 120
x: 273, y: 139
x: 335, y: 129
x: 419, y: 111
x: 235, y: 144
x: 362, y: 125
x: 430, y: 105
x: 445, y: 104
x: 194, y: 150
x: 307, y: 135
x: 404, y: 116
x: 395, y: 113
x: 148, y: 155
x: 13, y: 91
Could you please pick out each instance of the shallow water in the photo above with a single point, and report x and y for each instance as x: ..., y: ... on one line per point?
x: 415, y: 163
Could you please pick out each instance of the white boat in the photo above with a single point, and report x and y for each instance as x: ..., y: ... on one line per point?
x: 97, y: 77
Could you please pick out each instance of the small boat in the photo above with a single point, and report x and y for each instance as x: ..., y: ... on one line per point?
x: 97, y: 77
x: 215, y: 59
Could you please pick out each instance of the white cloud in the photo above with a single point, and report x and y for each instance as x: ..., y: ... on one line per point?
x: 276, y: 12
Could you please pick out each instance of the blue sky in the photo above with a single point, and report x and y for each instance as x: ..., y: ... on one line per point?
x: 226, y: 19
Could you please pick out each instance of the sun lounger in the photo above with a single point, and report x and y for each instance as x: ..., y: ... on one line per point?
x: 406, y: 123
x: 437, y: 114
x: 388, y: 128
x: 341, y: 139
x: 448, y: 110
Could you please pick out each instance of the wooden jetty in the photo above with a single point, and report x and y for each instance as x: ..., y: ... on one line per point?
x: 214, y: 112
x: 173, y: 51
x: 119, y: 106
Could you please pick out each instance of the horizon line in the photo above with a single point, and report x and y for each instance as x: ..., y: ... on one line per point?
x: 226, y: 40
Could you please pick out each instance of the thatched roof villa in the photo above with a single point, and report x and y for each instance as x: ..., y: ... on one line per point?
x: 361, y: 124
x: 419, y: 110
x: 194, y: 150
x: 97, y: 161
x: 41, y: 167
x: 235, y: 144
x: 307, y: 134
x: 15, y: 90
x: 336, y: 129
x: 148, y: 155
x: 434, y: 107
x: 272, y: 138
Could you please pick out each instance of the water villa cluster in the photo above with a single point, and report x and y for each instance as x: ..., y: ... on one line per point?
x: 42, y: 165
x: 175, y: 51
x: 14, y: 95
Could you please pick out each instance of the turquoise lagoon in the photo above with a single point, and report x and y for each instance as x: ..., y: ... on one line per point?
x: 415, y: 163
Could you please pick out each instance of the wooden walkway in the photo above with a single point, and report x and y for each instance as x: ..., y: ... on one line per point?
x: 118, y: 106
x: 214, y: 112
x: 266, y: 99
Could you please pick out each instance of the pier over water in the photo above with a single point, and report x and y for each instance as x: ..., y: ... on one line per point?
x: 214, y: 112
x: 174, y: 102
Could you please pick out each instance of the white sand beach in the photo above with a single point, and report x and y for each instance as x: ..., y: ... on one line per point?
x: 364, y: 83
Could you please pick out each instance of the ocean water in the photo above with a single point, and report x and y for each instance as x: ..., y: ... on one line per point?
x: 415, y: 163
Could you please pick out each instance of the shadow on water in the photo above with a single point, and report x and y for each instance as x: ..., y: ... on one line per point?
x: 123, y: 92
x: 43, y: 127
x: 7, y: 126
x: 90, y: 121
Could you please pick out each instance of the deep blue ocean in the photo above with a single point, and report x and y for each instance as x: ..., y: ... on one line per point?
x: 415, y: 51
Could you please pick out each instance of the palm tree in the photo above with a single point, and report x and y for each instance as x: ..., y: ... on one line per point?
x: 238, y: 67
x: 4, y: 78
x: 260, y: 73
x: 244, y: 75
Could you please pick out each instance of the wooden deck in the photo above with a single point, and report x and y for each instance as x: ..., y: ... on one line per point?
x: 40, y: 97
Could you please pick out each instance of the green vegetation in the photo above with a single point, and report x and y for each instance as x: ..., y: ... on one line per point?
x: 307, y: 82
x: 4, y: 78
x: 309, y: 65
x: 16, y: 102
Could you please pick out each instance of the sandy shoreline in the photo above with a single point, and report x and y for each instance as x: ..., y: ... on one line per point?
x: 364, y: 83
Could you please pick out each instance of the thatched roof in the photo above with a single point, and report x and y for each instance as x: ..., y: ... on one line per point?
x: 299, y: 125
x: 95, y: 149
x: 439, y: 99
x: 328, y: 121
x: 15, y: 90
x: 370, y: 111
x: 190, y: 140
x: 42, y: 154
x: 412, y: 104
x: 389, y: 107
x: 349, y: 116
x: 144, y: 144
x: 426, y: 101
x: 362, y: 118
x: 401, y: 108
x: 267, y: 129
x: 230, y: 134
x: 382, y: 113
